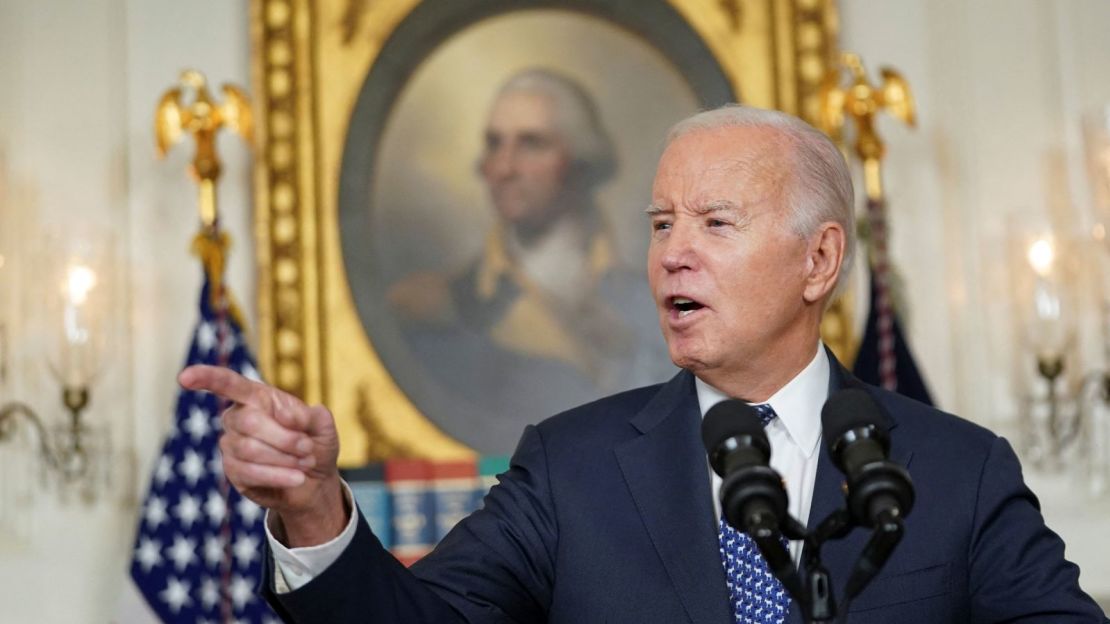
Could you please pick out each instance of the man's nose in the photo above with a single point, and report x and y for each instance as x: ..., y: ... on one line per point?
x: 501, y: 162
x: 679, y: 249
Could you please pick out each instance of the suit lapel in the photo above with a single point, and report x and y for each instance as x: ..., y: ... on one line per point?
x: 839, y: 556
x: 668, y: 477
x: 828, y: 493
x: 667, y: 474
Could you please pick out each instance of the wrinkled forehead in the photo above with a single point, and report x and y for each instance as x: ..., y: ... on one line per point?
x: 740, y: 165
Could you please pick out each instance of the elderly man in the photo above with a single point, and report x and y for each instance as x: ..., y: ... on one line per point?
x: 546, y: 315
x: 607, y: 512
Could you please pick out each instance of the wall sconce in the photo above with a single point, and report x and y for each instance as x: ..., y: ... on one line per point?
x: 1068, y: 425
x: 73, y: 301
x: 1049, y: 333
x: 1096, y: 138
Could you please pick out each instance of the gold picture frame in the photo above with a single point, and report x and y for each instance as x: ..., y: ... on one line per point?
x: 311, y: 61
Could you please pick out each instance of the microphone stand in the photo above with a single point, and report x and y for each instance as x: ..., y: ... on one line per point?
x: 813, y: 590
x: 885, y: 536
x: 765, y: 532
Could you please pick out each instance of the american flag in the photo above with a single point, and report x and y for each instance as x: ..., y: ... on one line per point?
x: 199, y: 546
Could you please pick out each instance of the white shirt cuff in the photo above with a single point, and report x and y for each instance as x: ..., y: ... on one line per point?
x: 295, y: 567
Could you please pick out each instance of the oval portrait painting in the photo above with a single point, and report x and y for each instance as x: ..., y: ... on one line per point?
x: 492, y: 218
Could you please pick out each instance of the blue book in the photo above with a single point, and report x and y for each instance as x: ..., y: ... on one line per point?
x: 373, y: 500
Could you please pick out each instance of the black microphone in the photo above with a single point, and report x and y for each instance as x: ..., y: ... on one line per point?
x: 878, y: 489
x: 753, y: 499
x: 752, y: 494
x: 880, y: 493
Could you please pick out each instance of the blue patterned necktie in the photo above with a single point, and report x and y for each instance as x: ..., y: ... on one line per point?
x: 756, y: 596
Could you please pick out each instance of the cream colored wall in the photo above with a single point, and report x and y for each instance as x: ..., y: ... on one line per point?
x: 999, y: 83
x: 1000, y: 86
x: 80, y: 82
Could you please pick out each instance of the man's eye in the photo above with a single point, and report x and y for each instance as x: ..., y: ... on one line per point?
x: 715, y: 223
x: 659, y: 226
x: 535, y: 142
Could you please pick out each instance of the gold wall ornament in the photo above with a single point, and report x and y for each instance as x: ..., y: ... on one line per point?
x: 311, y: 61
x: 731, y: 9
x: 861, y: 101
x: 203, y: 118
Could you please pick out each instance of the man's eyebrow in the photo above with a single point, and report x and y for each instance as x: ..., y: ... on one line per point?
x: 717, y: 205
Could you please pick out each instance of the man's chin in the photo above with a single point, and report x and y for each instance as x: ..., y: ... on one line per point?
x: 690, y: 361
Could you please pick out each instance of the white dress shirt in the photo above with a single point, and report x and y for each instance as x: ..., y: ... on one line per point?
x: 794, y: 437
x: 295, y: 567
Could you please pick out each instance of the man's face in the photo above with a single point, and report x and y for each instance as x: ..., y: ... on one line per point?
x: 725, y: 268
x: 525, y: 160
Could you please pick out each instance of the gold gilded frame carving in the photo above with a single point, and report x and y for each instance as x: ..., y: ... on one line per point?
x: 309, y: 60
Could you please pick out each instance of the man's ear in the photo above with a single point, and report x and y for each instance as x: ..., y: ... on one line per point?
x: 824, y: 255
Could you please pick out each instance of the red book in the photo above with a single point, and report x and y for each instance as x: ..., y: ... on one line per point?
x: 409, y: 484
x: 453, y: 486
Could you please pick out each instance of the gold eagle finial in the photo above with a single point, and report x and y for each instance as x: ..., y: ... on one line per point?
x: 203, y: 118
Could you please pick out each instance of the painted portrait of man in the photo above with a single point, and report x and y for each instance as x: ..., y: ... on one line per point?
x: 546, y: 312
x: 497, y: 256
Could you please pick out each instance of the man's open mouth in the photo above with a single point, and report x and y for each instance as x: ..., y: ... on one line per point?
x: 684, y: 305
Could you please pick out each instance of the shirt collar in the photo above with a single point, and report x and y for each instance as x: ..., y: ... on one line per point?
x: 798, y: 404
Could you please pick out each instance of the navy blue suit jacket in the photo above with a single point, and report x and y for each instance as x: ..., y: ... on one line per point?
x: 606, y: 515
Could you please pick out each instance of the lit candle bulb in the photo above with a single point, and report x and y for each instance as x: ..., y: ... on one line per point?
x: 1049, y: 332
x: 1042, y: 255
x: 77, y: 356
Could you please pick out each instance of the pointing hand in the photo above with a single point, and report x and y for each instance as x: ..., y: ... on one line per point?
x: 278, y: 452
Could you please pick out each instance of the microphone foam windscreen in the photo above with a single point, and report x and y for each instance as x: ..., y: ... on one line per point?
x: 728, y: 419
x: 847, y: 409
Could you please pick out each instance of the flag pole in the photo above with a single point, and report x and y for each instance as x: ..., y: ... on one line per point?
x: 208, y: 515
x: 862, y: 101
x: 204, y: 118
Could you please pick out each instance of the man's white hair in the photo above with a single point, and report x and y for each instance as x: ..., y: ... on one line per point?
x: 576, y: 118
x: 819, y: 187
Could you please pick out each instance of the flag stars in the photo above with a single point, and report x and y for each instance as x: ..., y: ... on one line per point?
x: 245, y: 550
x: 155, y: 512
x: 163, y: 472
x: 187, y: 510
x: 176, y: 594
x: 213, y: 550
x: 192, y: 467
x: 206, y: 337
x: 248, y: 511
x: 216, y: 464
x: 229, y: 342
x: 199, y: 548
x: 149, y: 553
x: 215, y: 507
x: 209, y: 593
x: 197, y: 423
x: 250, y: 373
x: 183, y: 552
x: 242, y: 591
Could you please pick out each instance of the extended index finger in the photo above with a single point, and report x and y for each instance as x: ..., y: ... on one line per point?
x: 225, y: 383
